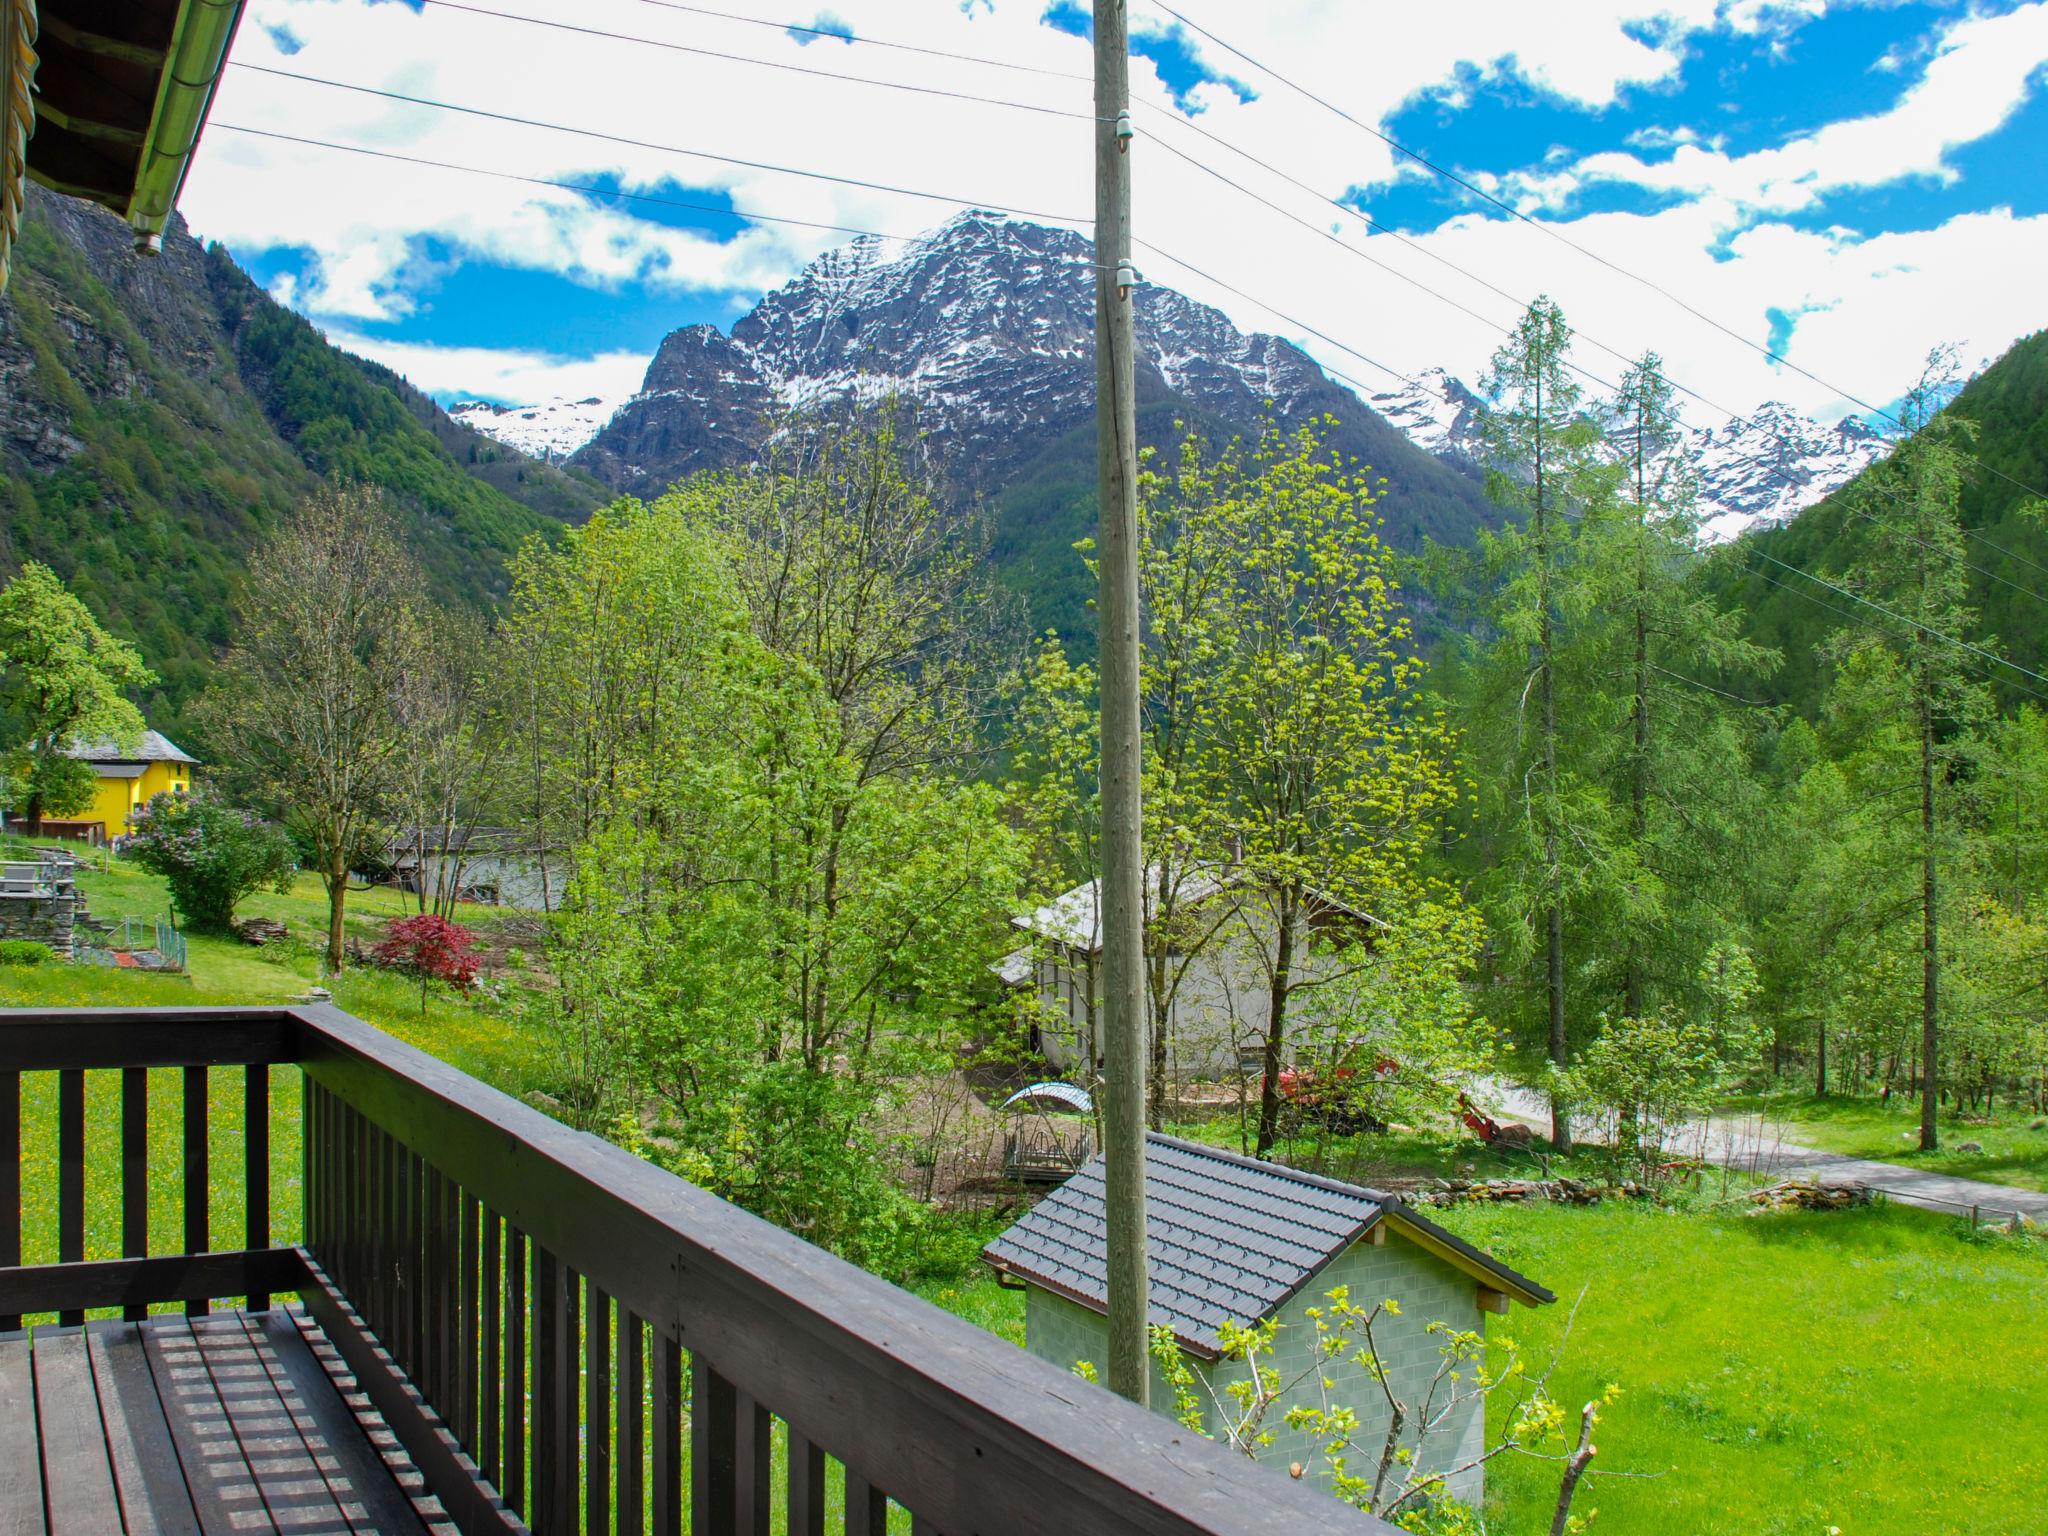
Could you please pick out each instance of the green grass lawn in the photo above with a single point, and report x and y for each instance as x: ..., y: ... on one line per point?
x: 2015, y: 1141
x: 479, y: 1034
x: 1874, y: 1369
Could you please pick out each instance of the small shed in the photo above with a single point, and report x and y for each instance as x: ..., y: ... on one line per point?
x: 1232, y: 1239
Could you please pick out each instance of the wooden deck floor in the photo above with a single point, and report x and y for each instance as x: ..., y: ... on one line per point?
x: 176, y: 1428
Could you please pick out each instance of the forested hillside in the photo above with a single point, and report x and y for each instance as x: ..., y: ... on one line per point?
x: 156, y: 414
x: 2006, y: 543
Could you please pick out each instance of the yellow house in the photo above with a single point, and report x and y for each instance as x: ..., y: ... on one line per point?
x: 127, y: 780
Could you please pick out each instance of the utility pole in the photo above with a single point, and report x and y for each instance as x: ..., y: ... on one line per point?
x: 1121, y: 893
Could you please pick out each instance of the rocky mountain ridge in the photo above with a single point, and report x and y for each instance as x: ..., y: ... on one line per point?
x: 987, y: 322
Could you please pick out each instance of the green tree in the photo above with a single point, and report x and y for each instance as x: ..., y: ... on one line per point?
x: 1546, y: 827
x: 1673, y: 743
x: 306, y: 702
x: 1324, y: 764
x: 1913, y: 567
x: 61, y: 683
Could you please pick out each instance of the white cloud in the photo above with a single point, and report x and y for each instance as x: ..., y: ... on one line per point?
x: 1980, y: 72
x: 384, y: 236
x: 507, y: 376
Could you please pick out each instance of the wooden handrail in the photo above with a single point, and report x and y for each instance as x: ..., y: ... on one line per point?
x: 427, y: 1192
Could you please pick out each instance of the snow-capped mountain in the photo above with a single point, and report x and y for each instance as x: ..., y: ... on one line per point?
x: 1750, y: 473
x: 1436, y: 413
x: 987, y: 323
x: 1776, y: 463
x: 550, y: 431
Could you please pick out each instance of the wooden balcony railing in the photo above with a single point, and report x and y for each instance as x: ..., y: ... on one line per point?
x: 567, y: 1339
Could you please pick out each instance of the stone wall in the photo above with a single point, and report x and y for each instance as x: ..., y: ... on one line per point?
x: 40, y: 919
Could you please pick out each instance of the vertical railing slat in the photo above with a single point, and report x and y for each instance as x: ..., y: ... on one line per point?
x: 465, y: 1326
x: 430, y: 1380
x: 632, y: 1403
x: 256, y: 1163
x: 197, y: 1236
x: 597, y: 1403
x: 867, y: 1507
x: 714, y: 1449
x: 668, y: 1436
x: 70, y: 1176
x: 806, y: 1487
x: 547, y: 1316
x: 10, y: 1181
x: 513, y: 1485
x: 490, y: 1362
x: 754, y: 1456
x: 134, y: 1172
x: 567, y: 1407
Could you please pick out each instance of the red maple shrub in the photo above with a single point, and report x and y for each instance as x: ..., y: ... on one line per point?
x: 431, y: 948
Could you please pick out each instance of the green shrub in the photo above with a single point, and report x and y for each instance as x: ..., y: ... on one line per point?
x: 210, y: 854
x: 24, y: 952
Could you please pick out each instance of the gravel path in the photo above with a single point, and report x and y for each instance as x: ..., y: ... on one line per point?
x: 1751, y: 1144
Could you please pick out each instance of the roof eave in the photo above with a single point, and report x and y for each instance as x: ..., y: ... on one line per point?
x: 1100, y: 1308
x: 198, y: 56
x: 1461, y: 1255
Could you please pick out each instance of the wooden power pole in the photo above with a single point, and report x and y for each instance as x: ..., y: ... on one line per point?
x: 1121, y: 893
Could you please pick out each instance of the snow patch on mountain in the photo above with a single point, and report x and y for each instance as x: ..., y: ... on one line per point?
x: 1750, y: 473
x: 1774, y: 464
x: 553, y: 430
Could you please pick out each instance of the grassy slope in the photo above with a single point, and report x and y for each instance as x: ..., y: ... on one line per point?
x: 2015, y: 1142
x: 1780, y: 1374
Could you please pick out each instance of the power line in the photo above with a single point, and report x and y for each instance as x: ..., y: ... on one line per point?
x: 666, y: 149
x: 543, y: 181
x: 828, y: 34
x: 744, y: 58
x: 1555, y: 234
x: 1734, y: 418
x: 1915, y: 624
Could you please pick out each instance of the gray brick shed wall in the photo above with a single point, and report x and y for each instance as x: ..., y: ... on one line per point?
x: 1428, y: 1290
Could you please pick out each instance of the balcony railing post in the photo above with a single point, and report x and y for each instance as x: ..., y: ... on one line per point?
x: 10, y: 1180
x: 198, y: 1237
x: 256, y: 1163
x: 134, y: 1172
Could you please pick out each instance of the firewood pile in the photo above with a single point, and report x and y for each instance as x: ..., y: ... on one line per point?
x: 261, y: 930
x: 1807, y: 1195
x: 1558, y: 1191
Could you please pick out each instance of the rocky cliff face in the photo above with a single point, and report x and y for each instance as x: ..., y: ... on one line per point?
x: 988, y: 324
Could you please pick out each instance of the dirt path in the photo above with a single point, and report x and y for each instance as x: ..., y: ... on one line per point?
x: 1753, y: 1145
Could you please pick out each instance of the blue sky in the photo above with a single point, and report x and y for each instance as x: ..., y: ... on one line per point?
x: 1852, y: 182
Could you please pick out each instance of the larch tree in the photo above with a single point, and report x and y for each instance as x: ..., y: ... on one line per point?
x: 1546, y: 469
x: 63, y: 678
x: 1679, y: 756
x: 306, y: 703
x: 1914, y: 569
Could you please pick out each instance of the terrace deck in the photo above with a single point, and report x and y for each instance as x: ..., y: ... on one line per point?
x: 185, y: 1427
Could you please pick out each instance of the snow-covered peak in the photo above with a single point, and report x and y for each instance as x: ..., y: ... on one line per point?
x: 1775, y: 463
x: 1436, y: 413
x: 550, y: 431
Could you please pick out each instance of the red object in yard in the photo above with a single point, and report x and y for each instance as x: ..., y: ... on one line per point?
x: 1483, y: 1125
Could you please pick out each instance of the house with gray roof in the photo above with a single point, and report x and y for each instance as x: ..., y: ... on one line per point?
x: 1232, y: 1239
x: 1217, y: 949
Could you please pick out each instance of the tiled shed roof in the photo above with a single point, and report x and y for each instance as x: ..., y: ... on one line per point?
x: 1226, y: 1237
